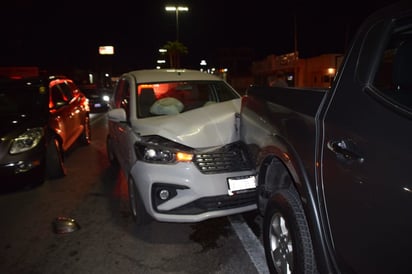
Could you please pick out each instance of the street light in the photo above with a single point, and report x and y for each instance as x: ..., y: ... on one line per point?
x: 177, y: 9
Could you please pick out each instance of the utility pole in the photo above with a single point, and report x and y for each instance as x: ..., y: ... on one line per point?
x: 296, y: 53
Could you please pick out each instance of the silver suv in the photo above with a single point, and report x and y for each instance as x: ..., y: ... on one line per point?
x: 174, y: 133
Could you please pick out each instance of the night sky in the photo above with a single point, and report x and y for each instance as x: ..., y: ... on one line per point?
x: 68, y: 33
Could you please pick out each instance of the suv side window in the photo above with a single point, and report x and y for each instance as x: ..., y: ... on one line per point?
x: 224, y: 93
x: 393, y: 79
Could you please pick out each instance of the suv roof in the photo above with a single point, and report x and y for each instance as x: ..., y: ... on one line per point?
x: 160, y: 75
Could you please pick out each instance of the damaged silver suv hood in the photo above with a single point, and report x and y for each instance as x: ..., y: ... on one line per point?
x: 211, y: 125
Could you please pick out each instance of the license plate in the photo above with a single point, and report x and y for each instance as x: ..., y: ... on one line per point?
x: 97, y: 105
x: 241, y: 184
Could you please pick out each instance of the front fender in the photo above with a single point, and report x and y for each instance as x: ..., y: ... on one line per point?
x: 279, y: 166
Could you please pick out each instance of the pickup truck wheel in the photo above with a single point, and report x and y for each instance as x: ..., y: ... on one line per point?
x: 286, y: 237
x: 54, y: 160
x: 139, y: 213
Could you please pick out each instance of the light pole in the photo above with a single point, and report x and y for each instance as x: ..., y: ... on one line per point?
x: 177, y: 9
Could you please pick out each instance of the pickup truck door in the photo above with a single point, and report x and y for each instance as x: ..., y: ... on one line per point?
x: 365, y: 170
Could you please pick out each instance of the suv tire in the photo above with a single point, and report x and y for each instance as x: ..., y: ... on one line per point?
x: 139, y: 213
x: 110, y: 154
x: 54, y: 160
x: 86, y: 136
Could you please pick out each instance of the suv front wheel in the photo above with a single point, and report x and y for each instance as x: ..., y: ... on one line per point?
x: 139, y: 213
x: 110, y: 152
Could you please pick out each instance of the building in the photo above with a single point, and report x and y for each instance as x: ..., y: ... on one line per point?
x: 315, y: 72
x: 19, y: 72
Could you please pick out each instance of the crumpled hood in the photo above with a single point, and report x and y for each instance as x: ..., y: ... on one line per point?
x: 212, y: 125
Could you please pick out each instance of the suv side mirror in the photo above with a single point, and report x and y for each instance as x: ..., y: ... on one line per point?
x: 117, y: 115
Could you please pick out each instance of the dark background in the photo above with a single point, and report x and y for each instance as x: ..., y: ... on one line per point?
x: 68, y: 33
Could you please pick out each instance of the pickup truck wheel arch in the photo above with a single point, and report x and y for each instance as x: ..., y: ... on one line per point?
x: 286, y: 235
x: 274, y: 176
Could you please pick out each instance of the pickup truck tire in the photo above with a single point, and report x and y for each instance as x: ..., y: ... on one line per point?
x: 139, y: 213
x: 54, y: 160
x: 286, y: 236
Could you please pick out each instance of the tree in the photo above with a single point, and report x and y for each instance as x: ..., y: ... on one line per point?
x: 175, y: 49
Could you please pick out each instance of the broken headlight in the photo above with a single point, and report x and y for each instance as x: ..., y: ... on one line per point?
x: 156, y: 149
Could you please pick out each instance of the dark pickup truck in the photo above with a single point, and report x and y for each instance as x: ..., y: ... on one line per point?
x: 334, y: 166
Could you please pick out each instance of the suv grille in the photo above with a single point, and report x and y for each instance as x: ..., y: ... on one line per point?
x: 229, y: 158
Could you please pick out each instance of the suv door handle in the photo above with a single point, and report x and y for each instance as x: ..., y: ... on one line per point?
x: 344, y: 150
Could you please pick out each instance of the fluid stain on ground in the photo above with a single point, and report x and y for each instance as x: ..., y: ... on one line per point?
x: 207, y: 233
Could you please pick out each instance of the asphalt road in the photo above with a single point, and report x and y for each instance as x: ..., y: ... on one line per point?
x: 108, y: 241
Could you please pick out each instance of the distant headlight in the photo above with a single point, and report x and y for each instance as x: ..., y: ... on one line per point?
x: 155, y: 149
x: 26, y: 141
x: 106, y: 98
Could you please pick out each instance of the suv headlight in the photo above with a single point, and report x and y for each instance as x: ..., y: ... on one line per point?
x: 155, y: 149
x: 27, y: 140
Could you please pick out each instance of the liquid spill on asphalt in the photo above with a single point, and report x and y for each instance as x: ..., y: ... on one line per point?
x: 253, y: 220
x: 207, y: 233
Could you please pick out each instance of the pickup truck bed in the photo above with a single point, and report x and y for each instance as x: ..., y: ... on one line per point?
x: 290, y: 98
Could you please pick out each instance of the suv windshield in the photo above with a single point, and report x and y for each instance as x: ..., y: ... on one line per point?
x: 176, y: 97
